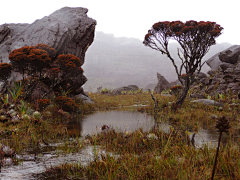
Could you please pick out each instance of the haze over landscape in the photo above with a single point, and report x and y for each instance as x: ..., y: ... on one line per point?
x: 112, y: 62
x: 117, y: 56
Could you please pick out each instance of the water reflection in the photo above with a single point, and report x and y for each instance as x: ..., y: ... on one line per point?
x: 121, y: 120
x: 130, y: 121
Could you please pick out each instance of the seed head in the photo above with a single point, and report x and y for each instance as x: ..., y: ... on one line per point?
x: 223, y: 125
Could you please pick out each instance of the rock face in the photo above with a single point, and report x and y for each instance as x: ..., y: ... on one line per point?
x: 68, y: 30
x: 225, y: 73
x: 228, y: 56
x: 162, y: 84
x: 119, y: 91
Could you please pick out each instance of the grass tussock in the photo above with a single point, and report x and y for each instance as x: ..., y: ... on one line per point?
x: 136, y: 155
x: 163, y: 156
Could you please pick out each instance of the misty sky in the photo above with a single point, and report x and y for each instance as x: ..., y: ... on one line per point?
x: 132, y: 18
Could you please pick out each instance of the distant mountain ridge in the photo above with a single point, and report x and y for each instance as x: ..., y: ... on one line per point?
x: 112, y: 62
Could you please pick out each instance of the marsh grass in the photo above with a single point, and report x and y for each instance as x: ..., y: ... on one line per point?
x: 138, y: 155
x: 164, y: 157
x: 161, y: 155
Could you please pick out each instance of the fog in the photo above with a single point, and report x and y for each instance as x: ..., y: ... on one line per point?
x: 112, y: 62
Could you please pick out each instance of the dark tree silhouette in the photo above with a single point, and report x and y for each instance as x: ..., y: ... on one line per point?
x: 195, y: 39
x: 5, y: 71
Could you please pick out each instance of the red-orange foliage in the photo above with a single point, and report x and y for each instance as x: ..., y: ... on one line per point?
x: 54, y: 71
x: 48, y: 49
x: 62, y: 71
x: 5, y: 71
x: 68, y: 62
x: 66, y: 103
x: 42, y: 103
x: 176, y: 87
x: 195, y: 39
x: 29, y: 60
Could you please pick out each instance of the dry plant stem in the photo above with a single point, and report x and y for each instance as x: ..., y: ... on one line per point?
x: 215, y: 163
x: 155, y: 103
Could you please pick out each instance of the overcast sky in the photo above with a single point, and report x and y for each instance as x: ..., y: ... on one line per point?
x: 132, y: 18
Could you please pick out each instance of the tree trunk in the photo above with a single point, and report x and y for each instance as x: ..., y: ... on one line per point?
x: 184, y: 92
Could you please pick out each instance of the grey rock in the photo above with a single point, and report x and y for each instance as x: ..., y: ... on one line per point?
x: 225, y: 66
x: 68, y: 30
x: 84, y: 98
x: 162, y: 84
x: 214, y: 62
x: 119, y: 91
x: 200, y: 75
x: 207, y: 102
x: 231, y: 55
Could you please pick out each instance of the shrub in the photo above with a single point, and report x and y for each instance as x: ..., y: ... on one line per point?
x: 69, y: 63
x: 66, y: 103
x: 29, y: 60
x: 48, y: 49
x: 43, y: 103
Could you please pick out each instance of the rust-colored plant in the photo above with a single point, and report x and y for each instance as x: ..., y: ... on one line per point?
x: 69, y: 62
x: 176, y: 87
x: 29, y: 60
x: 43, y: 103
x: 195, y: 39
x: 66, y: 103
x: 48, y: 49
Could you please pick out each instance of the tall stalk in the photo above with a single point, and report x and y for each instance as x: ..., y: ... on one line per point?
x: 222, y: 126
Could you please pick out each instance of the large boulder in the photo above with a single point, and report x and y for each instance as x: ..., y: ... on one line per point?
x: 225, y: 58
x: 68, y: 30
x: 231, y: 55
x: 162, y: 84
x: 126, y: 89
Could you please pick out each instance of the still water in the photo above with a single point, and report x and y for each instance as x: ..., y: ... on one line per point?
x: 91, y: 124
x: 119, y: 120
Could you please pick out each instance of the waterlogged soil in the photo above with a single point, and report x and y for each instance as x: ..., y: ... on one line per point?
x: 33, y: 164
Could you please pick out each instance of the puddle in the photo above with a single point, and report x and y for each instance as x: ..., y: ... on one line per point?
x: 33, y: 165
x: 202, y: 137
x: 119, y: 120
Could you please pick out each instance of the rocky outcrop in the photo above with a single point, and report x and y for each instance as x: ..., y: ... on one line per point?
x: 126, y: 89
x: 224, y: 58
x: 162, y: 84
x: 68, y: 30
x: 231, y: 55
x: 225, y: 73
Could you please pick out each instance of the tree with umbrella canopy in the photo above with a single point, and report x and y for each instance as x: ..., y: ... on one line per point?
x: 194, y: 38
